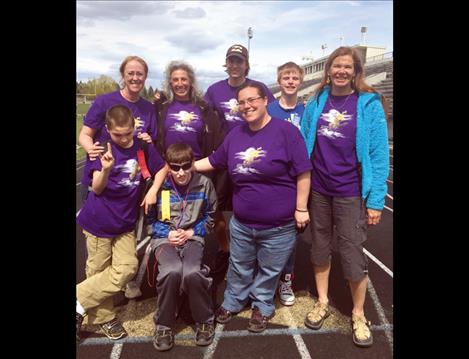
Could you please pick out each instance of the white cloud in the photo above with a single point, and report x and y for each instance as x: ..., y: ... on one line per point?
x: 200, y: 32
x: 194, y: 42
x: 190, y: 13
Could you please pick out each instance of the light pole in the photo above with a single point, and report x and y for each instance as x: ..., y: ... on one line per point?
x: 341, y: 38
x: 250, y: 33
x: 363, y: 30
x: 323, y: 47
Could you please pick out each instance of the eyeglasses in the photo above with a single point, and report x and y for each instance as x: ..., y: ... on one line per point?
x: 186, y: 166
x: 248, y: 101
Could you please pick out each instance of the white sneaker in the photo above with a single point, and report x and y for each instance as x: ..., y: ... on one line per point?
x: 285, y: 291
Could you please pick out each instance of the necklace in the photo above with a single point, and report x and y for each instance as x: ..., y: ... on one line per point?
x: 343, y: 104
x: 182, y: 201
x: 128, y: 98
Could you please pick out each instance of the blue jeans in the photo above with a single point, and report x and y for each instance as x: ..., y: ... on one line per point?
x: 261, y: 254
x: 290, y: 264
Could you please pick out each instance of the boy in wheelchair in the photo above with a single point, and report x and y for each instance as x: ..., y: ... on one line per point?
x: 180, y: 220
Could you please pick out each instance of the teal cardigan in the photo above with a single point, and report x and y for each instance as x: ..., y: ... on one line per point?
x: 371, y: 142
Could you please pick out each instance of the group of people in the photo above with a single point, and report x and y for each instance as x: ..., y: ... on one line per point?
x: 277, y: 164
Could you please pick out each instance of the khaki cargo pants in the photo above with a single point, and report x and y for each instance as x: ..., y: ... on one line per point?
x: 111, y: 263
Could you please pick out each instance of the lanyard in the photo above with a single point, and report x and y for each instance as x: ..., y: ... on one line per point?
x: 182, y: 201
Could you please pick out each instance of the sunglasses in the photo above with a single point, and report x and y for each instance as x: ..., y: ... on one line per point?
x: 186, y: 166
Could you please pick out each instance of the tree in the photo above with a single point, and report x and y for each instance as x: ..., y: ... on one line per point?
x: 103, y: 84
x: 151, y: 93
x: 144, y: 92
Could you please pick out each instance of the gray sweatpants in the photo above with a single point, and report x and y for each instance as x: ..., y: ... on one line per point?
x: 180, y: 270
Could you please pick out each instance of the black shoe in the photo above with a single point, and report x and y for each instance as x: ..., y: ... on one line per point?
x: 258, y: 322
x: 163, y: 340
x: 204, y: 334
x: 223, y: 316
x: 113, y: 329
x: 79, y: 321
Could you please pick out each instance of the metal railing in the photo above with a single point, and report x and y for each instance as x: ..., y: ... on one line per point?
x: 378, y: 58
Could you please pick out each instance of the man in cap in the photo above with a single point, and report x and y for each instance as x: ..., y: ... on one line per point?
x: 222, y: 94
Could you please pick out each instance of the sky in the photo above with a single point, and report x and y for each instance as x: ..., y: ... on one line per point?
x: 200, y: 32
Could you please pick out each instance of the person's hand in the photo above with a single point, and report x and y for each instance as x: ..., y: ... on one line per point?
x: 150, y: 199
x: 95, y: 151
x: 184, y: 235
x: 173, y: 238
x: 374, y: 216
x: 107, y: 160
x: 157, y: 95
x: 180, y: 236
x: 145, y: 137
x: 302, y: 220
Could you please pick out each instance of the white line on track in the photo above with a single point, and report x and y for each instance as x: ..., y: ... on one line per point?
x: 390, y: 181
x: 379, y: 263
x: 116, y: 351
x: 78, y: 213
x: 78, y: 183
x: 387, y: 194
x: 381, y: 315
x: 300, y: 344
x: 232, y: 334
x: 212, y: 347
x: 389, y: 209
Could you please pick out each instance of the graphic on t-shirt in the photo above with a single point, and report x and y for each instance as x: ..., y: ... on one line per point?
x: 249, y: 157
x: 131, y: 167
x: 185, y: 118
x: 232, y: 106
x: 138, y: 123
x: 336, y: 120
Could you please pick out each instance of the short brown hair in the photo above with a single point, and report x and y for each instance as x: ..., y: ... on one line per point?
x: 179, y: 152
x: 260, y: 89
x: 119, y: 115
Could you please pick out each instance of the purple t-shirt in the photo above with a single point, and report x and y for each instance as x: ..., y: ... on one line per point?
x: 184, y: 123
x: 292, y: 115
x: 115, y: 210
x: 263, y: 166
x: 334, y: 156
x: 222, y: 97
x: 142, y: 110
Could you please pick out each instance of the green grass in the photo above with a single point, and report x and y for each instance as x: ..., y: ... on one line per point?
x: 82, y: 108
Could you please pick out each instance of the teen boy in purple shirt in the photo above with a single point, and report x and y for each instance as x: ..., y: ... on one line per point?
x: 267, y: 161
x: 108, y: 219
